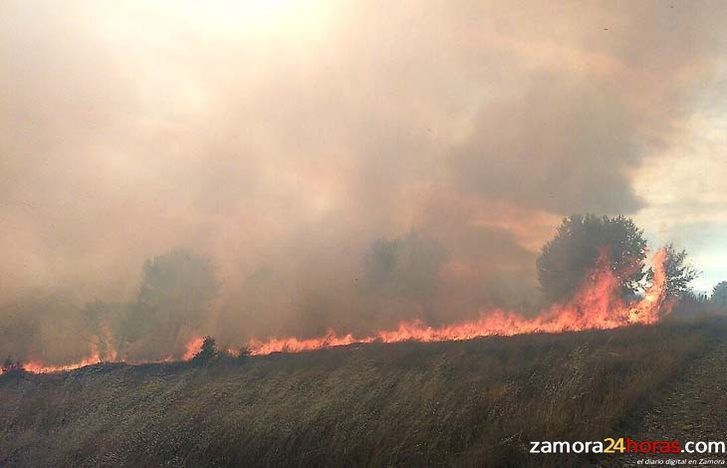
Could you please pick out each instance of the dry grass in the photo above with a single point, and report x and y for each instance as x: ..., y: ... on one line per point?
x: 466, y: 403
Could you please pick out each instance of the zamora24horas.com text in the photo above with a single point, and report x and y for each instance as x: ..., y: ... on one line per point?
x: 624, y: 445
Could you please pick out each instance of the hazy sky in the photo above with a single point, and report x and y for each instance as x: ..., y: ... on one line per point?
x: 284, y: 137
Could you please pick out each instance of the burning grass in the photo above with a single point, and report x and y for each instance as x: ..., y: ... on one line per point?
x: 598, y: 304
x: 470, y: 402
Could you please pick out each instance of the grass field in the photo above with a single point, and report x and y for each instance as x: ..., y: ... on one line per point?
x: 458, y: 403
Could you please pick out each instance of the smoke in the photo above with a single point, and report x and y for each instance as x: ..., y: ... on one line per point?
x: 342, y: 164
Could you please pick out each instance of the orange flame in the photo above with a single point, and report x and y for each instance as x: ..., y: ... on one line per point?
x: 597, y: 305
x: 193, y: 347
x: 37, y: 367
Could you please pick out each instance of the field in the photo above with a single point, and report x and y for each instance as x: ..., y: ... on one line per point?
x: 468, y: 403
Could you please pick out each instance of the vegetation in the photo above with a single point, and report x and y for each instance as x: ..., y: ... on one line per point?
x: 404, y: 267
x: 678, y: 272
x: 208, y: 351
x: 400, y: 278
x: 719, y: 294
x: 566, y: 259
x: 462, y: 403
x: 9, y: 365
x: 175, y: 292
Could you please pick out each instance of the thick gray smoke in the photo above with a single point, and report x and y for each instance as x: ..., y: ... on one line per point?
x: 343, y: 165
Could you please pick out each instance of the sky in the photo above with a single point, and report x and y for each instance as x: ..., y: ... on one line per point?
x: 286, y: 139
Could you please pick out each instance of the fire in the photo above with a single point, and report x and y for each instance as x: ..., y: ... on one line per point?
x: 193, y: 347
x: 597, y: 305
x: 295, y: 345
x: 37, y: 367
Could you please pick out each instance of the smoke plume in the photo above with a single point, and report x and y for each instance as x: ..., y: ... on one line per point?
x: 341, y: 165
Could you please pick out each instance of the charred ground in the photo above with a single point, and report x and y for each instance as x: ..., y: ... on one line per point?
x: 475, y: 403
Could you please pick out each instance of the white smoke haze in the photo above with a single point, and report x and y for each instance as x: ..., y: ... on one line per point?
x: 289, y: 140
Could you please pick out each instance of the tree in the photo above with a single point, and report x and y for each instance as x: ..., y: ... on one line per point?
x: 719, y: 294
x: 208, y: 351
x: 405, y: 266
x: 400, y: 275
x: 678, y: 272
x: 176, y: 291
x: 565, y: 260
x: 104, y: 321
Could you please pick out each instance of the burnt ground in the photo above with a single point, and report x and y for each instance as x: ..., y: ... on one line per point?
x: 694, y: 409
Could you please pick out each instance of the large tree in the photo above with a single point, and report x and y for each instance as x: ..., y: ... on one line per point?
x: 565, y: 260
x: 405, y: 266
x: 401, y: 274
x: 176, y: 292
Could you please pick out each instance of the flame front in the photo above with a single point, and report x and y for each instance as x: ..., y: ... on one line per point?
x: 597, y: 305
x: 193, y: 347
x: 37, y: 367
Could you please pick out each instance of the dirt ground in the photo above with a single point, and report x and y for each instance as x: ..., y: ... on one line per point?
x: 695, y: 409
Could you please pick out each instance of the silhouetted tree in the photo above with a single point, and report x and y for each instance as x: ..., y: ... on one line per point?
x: 208, y: 351
x: 176, y: 291
x: 406, y: 266
x: 719, y: 294
x: 565, y: 261
x: 401, y: 274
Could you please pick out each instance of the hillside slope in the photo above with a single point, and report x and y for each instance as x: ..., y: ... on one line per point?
x: 477, y: 403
